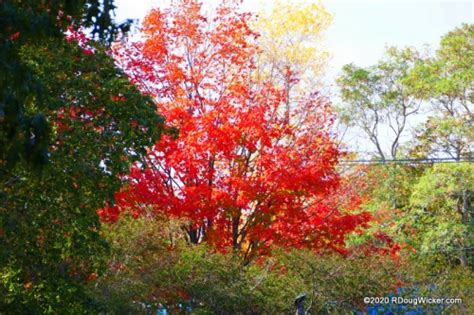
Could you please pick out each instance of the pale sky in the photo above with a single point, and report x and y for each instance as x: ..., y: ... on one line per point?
x: 361, y: 29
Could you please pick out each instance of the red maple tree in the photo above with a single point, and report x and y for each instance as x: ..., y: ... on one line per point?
x: 245, y: 170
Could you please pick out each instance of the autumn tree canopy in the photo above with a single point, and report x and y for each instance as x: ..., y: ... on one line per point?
x: 240, y: 171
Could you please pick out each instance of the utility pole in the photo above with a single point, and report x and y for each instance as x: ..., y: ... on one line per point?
x: 299, y: 303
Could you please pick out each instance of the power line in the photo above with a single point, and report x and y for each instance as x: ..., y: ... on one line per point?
x: 406, y: 161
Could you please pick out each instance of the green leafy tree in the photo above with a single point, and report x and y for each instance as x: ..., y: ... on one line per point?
x: 147, y: 265
x: 376, y: 101
x: 98, y: 124
x: 446, y: 80
x: 439, y: 217
x: 23, y: 97
x: 425, y: 208
x: 385, y: 190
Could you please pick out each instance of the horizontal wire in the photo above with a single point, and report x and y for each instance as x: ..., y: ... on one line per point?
x: 406, y: 161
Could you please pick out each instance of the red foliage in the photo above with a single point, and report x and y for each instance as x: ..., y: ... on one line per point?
x: 15, y: 36
x: 245, y: 171
x: 79, y: 36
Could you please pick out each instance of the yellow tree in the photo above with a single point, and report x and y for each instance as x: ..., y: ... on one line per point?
x: 292, y: 47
